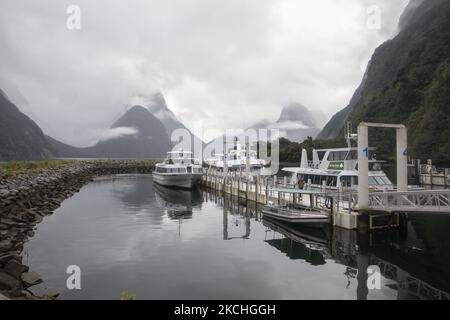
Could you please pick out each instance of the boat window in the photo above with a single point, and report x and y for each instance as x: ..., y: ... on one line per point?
x: 352, y: 155
x: 331, y: 181
x: 346, y: 181
x: 355, y: 181
x: 321, y: 154
x: 379, y: 180
x: 189, y: 169
x: 372, y: 181
x: 386, y: 180
x: 317, y: 180
x: 337, y: 155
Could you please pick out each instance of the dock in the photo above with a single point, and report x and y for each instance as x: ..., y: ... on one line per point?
x: 361, y: 209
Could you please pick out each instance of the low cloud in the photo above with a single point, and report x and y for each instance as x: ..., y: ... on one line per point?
x: 288, y: 125
x: 227, y: 63
x: 118, y: 132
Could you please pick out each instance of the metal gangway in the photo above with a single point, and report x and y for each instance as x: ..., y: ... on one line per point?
x: 437, y: 201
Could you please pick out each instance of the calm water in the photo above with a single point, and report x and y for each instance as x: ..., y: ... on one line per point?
x: 128, y: 235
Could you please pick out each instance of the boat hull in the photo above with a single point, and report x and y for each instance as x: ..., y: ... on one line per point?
x: 304, y: 218
x: 186, y: 181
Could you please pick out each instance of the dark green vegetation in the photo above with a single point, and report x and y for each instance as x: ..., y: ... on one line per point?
x: 13, y: 168
x: 407, y: 81
x: 290, y: 152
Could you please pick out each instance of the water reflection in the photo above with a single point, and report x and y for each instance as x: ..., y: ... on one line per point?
x: 226, y: 251
x: 357, y: 252
x: 178, y: 203
x: 299, y: 242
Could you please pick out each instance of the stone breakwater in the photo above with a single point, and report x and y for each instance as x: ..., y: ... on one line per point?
x: 24, y: 202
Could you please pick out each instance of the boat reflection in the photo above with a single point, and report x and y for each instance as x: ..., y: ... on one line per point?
x: 178, y: 203
x: 299, y: 242
x: 401, y: 270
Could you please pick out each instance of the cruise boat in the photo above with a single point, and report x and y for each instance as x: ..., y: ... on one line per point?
x: 179, y: 169
x: 237, y: 159
x: 337, y: 169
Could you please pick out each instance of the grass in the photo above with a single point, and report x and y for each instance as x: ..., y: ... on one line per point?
x: 127, y: 296
x: 14, y: 168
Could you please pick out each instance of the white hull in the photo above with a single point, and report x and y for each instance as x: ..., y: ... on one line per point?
x: 181, y: 180
x: 305, y: 217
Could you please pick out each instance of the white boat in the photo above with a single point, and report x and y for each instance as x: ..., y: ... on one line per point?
x: 292, y: 213
x: 179, y: 169
x: 237, y: 159
x: 298, y: 212
x: 337, y: 169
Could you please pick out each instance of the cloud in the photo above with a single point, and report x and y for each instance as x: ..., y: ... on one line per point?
x: 288, y: 125
x: 226, y: 63
x: 118, y: 132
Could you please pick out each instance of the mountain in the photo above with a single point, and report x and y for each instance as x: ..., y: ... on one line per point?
x: 20, y: 137
x: 408, y: 13
x: 158, y: 107
x: 62, y: 150
x: 296, y: 123
x: 407, y: 81
x: 137, y: 134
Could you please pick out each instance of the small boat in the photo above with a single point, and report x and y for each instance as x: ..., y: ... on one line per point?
x: 179, y: 170
x: 295, y: 213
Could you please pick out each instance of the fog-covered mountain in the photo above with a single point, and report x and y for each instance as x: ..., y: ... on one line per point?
x: 137, y: 134
x: 20, y: 137
x: 158, y: 107
x: 295, y: 123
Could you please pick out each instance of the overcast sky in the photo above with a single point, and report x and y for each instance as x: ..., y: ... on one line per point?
x: 228, y: 63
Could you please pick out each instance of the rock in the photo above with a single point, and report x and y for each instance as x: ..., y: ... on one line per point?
x: 5, y: 245
x: 31, y: 278
x: 15, y: 268
x: 8, y: 282
x: 11, y: 255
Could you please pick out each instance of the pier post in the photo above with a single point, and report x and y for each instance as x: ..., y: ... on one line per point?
x: 402, y: 159
x: 363, y: 166
x: 247, y: 157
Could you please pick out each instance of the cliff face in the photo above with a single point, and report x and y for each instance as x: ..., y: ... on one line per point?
x: 20, y: 137
x: 408, y: 81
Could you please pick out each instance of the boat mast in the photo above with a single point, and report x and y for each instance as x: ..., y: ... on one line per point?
x: 349, y: 136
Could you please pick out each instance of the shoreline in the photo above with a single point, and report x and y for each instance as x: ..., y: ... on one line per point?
x: 27, y: 198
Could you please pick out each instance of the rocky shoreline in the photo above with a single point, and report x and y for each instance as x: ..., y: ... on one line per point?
x: 26, y: 199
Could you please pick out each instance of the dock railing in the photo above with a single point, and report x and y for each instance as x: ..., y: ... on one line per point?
x: 437, y: 201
